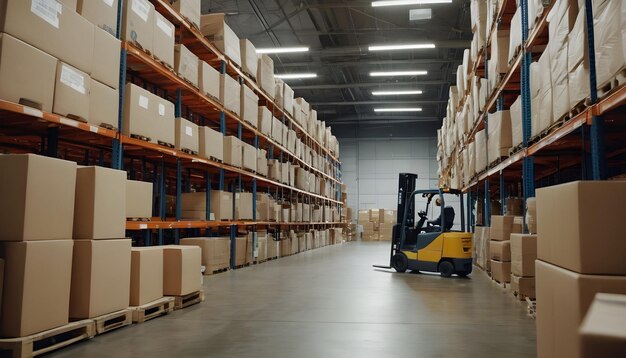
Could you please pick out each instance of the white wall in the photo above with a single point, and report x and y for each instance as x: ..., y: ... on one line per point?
x: 370, y: 168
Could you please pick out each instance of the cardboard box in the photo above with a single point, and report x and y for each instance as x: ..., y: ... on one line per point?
x: 499, y: 140
x: 249, y: 105
x: 240, y: 250
x: 22, y: 65
x: 164, y: 130
x: 564, y: 214
x: 523, y: 254
x: 214, y: 28
x: 163, y: 39
x: 186, y: 64
x: 524, y: 286
x: 565, y: 297
x: 264, y: 122
x: 501, y: 271
x: 106, y: 58
x: 208, y: 80
x: 215, y: 251
x: 249, y: 58
x: 138, y: 23
x: 288, y: 99
x: 138, y: 199
x: 139, y: 106
x: 531, y: 215
x: 500, y: 250
x: 103, y: 104
x: 284, y: 173
x: 100, y: 277
x: 285, y: 135
x: 71, y: 92
x: 146, y: 275
x: 275, y: 169
x: 230, y: 93
x: 291, y: 141
x: 480, y: 141
x: 193, y: 205
x: 211, y: 143
x: 38, y: 274
x: 501, y: 227
x: 603, y: 332
x: 265, y: 75
x: 233, y: 151
x: 25, y: 182
x: 277, y: 130
x: 243, y: 206
x: 181, y: 270
x: 186, y: 135
x: 101, y: 13
x: 261, y: 162
x: 100, y: 203
x: 190, y: 9
x: 68, y: 36
x: 302, y: 178
x: 222, y: 204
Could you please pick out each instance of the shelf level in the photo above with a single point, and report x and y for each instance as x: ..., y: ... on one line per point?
x: 172, y: 224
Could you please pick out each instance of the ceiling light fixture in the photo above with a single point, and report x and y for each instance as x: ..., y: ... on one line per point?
x: 395, y: 93
x: 398, y: 73
x: 414, y: 109
x: 281, y: 50
x: 401, y: 47
x: 291, y: 76
x: 408, y: 2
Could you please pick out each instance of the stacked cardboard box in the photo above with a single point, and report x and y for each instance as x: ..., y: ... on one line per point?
x: 523, y: 255
x: 500, y: 247
x: 573, y: 261
x: 215, y: 252
x: 146, y: 275
x: 603, y: 332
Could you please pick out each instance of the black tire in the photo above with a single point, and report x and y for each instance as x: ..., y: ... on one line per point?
x: 463, y: 273
x: 399, y: 262
x: 446, y: 268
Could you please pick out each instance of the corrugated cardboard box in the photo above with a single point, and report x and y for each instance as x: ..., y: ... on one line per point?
x: 25, y: 182
x: 277, y: 130
x: 243, y: 206
x: 261, y: 248
x: 103, y: 104
x: 139, y: 106
x: 146, y: 275
x: 214, y: 28
x: 230, y: 93
x: 249, y: 58
x: 565, y: 297
x: 101, y: 13
x: 71, y: 92
x: 164, y: 131
x: 100, y: 277
x: 265, y: 75
x: 186, y: 64
x: 38, y: 274
x: 211, y: 143
x: 523, y: 254
x: 100, y: 203
x: 264, y: 122
x: 138, y: 23
x: 233, y: 151
x: 106, y: 58
x: 480, y: 141
x: 209, y: 80
x: 302, y: 178
x: 215, y: 251
x: 27, y: 75
x: 284, y: 173
x: 181, y: 270
x: 524, y: 286
x: 501, y: 271
x: 261, y: 162
x: 272, y: 247
x: 193, y: 206
x: 274, y: 168
x: 531, y: 215
x: 222, y: 204
x: 249, y: 105
x: 163, y: 39
x: 291, y: 141
x: 285, y: 134
x: 190, y: 9
x: 288, y: 98
x: 68, y: 36
x: 501, y: 227
x: 138, y: 199
x: 564, y: 214
x: 278, y: 91
x: 603, y: 332
x: 499, y: 142
x: 240, y: 250
x: 186, y: 135
x: 500, y: 250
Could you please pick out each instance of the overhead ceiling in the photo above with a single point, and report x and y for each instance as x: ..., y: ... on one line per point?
x: 338, y: 34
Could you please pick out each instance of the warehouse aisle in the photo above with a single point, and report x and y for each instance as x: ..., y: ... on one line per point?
x: 331, y: 303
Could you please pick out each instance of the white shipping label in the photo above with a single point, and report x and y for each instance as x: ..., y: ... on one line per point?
x: 161, y: 109
x: 143, y: 102
x: 73, y: 79
x: 48, y: 10
x: 109, y: 2
x: 165, y: 27
x: 141, y: 8
x: 189, y: 131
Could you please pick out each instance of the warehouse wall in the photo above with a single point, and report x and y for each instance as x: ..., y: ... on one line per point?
x: 370, y: 168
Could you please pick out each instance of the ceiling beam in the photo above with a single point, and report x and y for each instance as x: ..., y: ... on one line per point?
x: 369, y: 84
x: 368, y: 103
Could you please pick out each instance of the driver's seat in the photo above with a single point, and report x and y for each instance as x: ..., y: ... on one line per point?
x: 449, y: 216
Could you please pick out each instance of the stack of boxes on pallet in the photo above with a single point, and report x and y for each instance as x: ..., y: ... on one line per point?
x: 377, y: 224
x: 523, y: 256
x: 559, y: 80
x: 579, y: 253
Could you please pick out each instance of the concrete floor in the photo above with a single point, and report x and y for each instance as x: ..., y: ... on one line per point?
x: 331, y: 303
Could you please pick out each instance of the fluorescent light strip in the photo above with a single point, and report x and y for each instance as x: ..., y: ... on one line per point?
x: 287, y: 76
x: 408, y: 2
x: 401, y: 47
x: 282, y: 50
x: 397, y: 109
x: 395, y: 93
x: 398, y: 73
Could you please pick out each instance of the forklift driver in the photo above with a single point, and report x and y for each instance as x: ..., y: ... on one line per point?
x: 434, y: 225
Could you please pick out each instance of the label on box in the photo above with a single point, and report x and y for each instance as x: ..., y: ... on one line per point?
x: 108, y: 2
x: 73, y: 79
x: 143, y: 101
x: 189, y: 131
x: 48, y: 10
x: 161, y: 109
x: 165, y: 27
x: 141, y: 8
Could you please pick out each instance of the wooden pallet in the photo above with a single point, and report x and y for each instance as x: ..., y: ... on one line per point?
x: 138, y: 219
x: 213, y: 272
x: 165, y: 144
x: 140, y: 137
x: 189, y: 151
x: 522, y: 297
x: 151, y: 310
x: 215, y: 159
x: 108, y: 126
x: 532, y: 308
x: 188, y: 300
x: 47, y: 341
x: 115, y: 320
x: 612, y: 84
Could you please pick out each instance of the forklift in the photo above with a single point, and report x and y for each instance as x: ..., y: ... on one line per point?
x: 430, y: 246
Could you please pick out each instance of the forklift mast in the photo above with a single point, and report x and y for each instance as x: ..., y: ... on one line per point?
x: 406, y: 186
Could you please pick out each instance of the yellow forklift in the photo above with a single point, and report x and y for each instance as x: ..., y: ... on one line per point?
x: 425, y: 245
